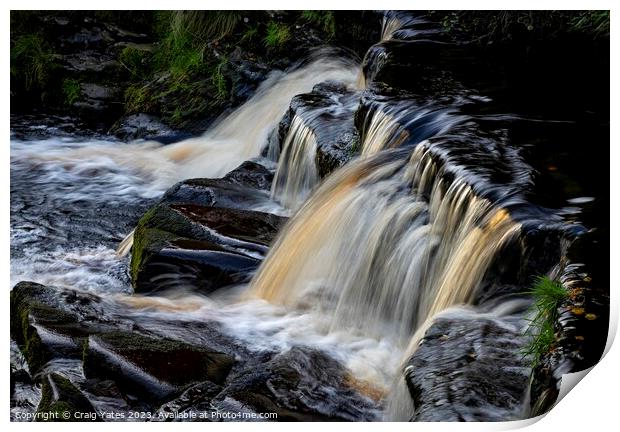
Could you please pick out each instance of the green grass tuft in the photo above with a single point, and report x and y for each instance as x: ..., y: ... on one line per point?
x: 219, y: 80
x: 71, y: 90
x: 136, y: 61
x: 277, y: 35
x: 595, y: 22
x: 324, y: 20
x: 204, y: 26
x: 548, y: 294
x: 31, y: 61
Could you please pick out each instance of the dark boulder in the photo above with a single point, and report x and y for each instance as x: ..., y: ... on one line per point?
x: 193, y: 403
x: 469, y: 368
x: 145, y: 126
x: 300, y: 384
x: 62, y: 401
x: 328, y: 111
x: 152, y: 367
x: 48, y: 323
x: 200, y: 236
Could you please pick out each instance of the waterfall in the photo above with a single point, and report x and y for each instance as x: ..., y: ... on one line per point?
x: 373, y: 253
x: 242, y: 134
x: 390, y: 240
x: 297, y: 173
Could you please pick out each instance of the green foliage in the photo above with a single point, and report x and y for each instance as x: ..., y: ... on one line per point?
x: 548, y: 294
x: 497, y: 26
x: 136, y: 61
x: 179, y: 55
x: 324, y: 20
x: 71, y: 90
x: 138, y: 98
x: 31, y: 61
x: 205, y: 26
x: 249, y: 35
x: 595, y: 23
x: 277, y: 35
x: 219, y: 80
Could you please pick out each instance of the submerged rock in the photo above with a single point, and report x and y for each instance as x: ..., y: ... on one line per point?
x: 200, y: 236
x: 469, y: 369
x: 145, y: 126
x: 300, y: 384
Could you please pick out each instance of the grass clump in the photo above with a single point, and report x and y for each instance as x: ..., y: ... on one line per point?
x: 136, y: 61
x: 31, y: 61
x: 548, y: 294
x: 277, y: 35
x: 594, y: 22
x: 219, y: 80
x: 204, y: 26
x: 499, y: 26
x: 324, y: 20
x: 71, y: 90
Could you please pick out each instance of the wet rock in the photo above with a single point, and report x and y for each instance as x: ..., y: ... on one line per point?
x: 328, y: 111
x: 128, y: 364
x: 426, y: 67
x: 200, y: 247
x: 245, y: 74
x: 199, y: 236
x: 62, y: 401
x: 300, y: 384
x: 192, y: 403
x: 469, y: 369
x: 48, y: 323
x: 98, y: 92
x: 152, y: 367
x: 581, y: 330
x: 251, y: 174
x: 38, y: 126
x: 90, y: 63
x: 145, y: 126
x: 244, y: 187
x: 98, y: 100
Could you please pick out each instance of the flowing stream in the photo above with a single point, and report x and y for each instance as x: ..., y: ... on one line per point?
x: 404, y: 234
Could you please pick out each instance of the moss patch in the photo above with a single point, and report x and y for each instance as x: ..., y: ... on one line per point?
x: 59, y: 397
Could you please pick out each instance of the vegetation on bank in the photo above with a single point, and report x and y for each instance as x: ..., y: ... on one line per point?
x: 32, y: 61
x: 188, y: 67
x: 548, y: 295
x: 489, y: 27
x: 193, y: 65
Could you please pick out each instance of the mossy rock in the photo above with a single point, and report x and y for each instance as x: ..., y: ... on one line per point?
x: 41, y: 328
x: 201, y: 233
x: 48, y: 323
x: 62, y: 401
x: 154, y: 368
x: 200, y: 245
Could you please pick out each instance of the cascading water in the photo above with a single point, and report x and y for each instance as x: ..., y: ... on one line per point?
x: 403, y: 236
x: 405, y: 258
x: 243, y: 134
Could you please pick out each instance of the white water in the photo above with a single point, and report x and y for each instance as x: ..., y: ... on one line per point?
x: 68, y: 202
x: 354, y: 273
